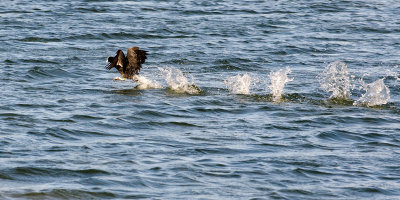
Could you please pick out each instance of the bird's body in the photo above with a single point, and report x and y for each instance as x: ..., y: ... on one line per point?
x: 130, y: 65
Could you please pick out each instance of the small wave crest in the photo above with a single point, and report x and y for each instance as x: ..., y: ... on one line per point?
x: 178, y: 82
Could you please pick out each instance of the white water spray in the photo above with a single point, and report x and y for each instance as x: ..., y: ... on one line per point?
x: 278, y: 80
x: 145, y: 83
x: 376, y: 93
x: 335, y: 78
x: 238, y: 84
x: 178, y: 82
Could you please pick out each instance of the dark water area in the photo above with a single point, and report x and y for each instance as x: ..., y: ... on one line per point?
x: 68, y: 131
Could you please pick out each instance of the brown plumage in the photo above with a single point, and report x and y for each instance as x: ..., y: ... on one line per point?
x: 130, y: 65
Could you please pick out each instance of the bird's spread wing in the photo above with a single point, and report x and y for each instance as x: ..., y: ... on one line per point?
x: 135, y: 58
x: 116, y: 61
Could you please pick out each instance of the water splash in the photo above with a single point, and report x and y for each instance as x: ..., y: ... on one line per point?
x: 376, y: 93
x: 278, y: 80
x: 145, y: 83
x: 335, y: 78
x: 238, y: 84
x: 178, y: 82
x: 393, y: 73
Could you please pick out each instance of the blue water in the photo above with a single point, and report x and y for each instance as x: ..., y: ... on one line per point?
x: 68, y: 131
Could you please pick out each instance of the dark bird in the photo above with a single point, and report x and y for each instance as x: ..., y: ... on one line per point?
x: 128, y: 66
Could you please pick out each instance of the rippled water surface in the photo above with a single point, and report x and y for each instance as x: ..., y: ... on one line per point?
x: 207, y: 125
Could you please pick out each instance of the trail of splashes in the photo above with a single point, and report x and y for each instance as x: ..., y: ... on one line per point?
x: 393, y: 73
x: 145, y: 83
x: 376, y: 93
x: 238, y: 84
x: 335, y: 78
x: 278, y: 80
x: 178, y: 82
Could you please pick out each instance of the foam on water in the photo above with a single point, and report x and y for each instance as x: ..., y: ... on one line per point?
x: 336, y: 79
x: 376, y: 93
x: 278, y: 80
x: 178, y: 82
x: 238, y: 84
x: 145, y: 83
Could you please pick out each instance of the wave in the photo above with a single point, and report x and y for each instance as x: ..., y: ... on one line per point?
x: 105, y: 36
x: 125, y: 35
x: 39, y: 61
x: 53, y: 172
x: 60, y: 193
x: 41, y: 72
x: 169, y: 124
x: 9, y: 61
x: 93, y: 9
x: 39, y: 39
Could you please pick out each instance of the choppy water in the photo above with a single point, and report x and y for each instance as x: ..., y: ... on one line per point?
x: 192, y: 130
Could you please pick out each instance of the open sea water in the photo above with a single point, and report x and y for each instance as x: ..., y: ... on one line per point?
x: 237, y: 100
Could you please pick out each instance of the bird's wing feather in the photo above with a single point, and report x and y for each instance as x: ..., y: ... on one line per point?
x: 135, y: 58
x: 119, y: 58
